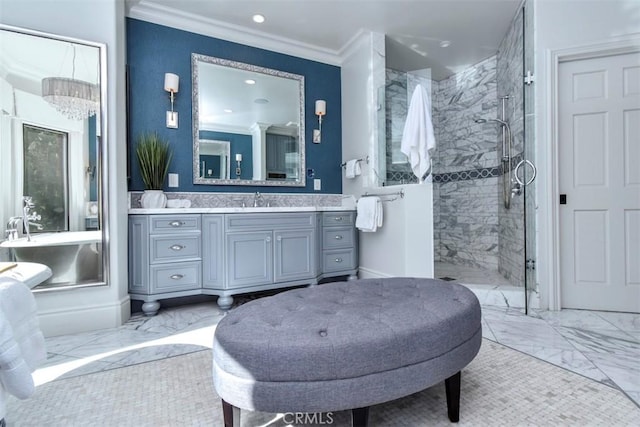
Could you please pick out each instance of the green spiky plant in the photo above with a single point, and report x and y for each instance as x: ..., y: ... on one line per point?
x: 154, y: 156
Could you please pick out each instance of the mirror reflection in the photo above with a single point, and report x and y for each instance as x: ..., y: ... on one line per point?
x: 50, y: 151
x: 248, y: 124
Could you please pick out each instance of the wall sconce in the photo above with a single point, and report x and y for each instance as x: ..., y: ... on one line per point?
x: 321, y: 110
x: 238, y: 167
x: 171, y: 84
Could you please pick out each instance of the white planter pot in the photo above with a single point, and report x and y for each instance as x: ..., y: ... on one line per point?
x: 153, y: 199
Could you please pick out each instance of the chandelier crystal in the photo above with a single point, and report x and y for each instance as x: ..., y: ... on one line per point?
x: 73, y: 98
x: 76, y: 99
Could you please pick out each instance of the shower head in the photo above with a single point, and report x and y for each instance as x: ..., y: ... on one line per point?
x: 480, y: 120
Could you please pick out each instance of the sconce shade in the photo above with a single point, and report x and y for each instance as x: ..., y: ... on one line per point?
x: 238, y: 157
x: 321, y: 107
x: 171, y: 82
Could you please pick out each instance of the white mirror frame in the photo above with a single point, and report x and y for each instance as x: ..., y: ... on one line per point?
x: 197, y: 179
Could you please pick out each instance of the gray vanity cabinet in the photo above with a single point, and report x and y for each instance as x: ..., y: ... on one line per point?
x: 232, y: 253
x: 213, y: 251
x: 249, y: 259
x: 165, y: 258
x: 339, y: 244
x: 270, y: 248
x: 294, y: 255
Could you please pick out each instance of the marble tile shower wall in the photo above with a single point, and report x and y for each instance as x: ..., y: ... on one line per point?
x: 466, y: 168
x: 510, y: 72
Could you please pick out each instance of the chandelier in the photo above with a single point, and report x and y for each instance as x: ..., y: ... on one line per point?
x: 76, y: 99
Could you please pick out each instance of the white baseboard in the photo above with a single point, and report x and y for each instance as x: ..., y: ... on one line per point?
x: 84, y: 318
x: 367, y: 273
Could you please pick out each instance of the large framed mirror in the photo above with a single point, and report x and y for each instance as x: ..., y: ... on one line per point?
x: 53, y: 196
x: 258, y: 113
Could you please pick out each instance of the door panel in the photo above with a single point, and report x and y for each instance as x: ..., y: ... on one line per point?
x: 599, y: 154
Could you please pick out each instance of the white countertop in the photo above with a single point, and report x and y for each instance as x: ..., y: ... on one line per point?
x: 242, y: 210
x: 29, y: 273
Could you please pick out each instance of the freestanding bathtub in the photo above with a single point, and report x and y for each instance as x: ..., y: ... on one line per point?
x: 74, y: 257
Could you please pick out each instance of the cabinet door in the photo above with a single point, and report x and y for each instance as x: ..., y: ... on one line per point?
x: 249, y: 259
x: 139, y: 254
x: 294, y: 255
x: 212, y: 252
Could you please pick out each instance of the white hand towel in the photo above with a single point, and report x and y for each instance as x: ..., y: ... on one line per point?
x: 418, y: 140
x: 369, y: 214
x: 352, y: 169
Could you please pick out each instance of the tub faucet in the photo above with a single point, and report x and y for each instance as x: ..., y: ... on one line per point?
x: 27, y: 218
x: 12, y: 232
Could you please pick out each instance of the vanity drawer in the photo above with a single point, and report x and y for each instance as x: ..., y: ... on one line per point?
x: 338, y: 218
x: 337, y: 237
x: 170, y: 248
x: 173, y: 223
x: 338, y: 260
x: 182, y: 276
x: 266, y: 221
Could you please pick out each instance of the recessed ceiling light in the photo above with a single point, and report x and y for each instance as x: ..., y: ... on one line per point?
x: 445, y: 43
x: 250, y: 81
x: 228, y: 110
x: 258, y: 18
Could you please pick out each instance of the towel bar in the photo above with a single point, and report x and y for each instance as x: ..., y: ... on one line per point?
x: 396, y: 194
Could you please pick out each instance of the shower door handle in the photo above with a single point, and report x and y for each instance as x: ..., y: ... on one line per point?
x: 517, y: 168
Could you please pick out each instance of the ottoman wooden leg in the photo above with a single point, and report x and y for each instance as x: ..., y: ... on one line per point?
x: 360, y: 417
x: 452, y: 386
x: 227, y: 412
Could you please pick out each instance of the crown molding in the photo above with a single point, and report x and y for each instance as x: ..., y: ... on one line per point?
x: 174, y: 18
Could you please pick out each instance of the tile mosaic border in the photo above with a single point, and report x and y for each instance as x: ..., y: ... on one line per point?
x: 479, y: 173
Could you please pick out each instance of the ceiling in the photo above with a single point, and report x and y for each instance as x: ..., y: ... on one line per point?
x: 323, y: 29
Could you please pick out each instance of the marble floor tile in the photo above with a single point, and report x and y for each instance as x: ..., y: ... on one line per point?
x: 117, y: 341
x: 577, y: 319
x: 610, y: 342
x: 625, y: 321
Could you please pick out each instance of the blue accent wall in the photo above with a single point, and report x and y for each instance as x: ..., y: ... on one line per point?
x: 153, y: 50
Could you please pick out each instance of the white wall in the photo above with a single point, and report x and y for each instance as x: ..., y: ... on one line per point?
x: 564, y: 24
x: 101, y: 21
x: 404, y: 244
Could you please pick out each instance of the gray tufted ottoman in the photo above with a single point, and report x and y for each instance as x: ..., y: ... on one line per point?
x: 346, y: 345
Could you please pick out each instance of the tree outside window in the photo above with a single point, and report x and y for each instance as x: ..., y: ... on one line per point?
x: 46, y: 175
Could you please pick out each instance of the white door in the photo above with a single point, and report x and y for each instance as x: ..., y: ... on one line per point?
x: 599, y: 165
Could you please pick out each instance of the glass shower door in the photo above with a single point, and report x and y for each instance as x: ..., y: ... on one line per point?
x: 528, y: 171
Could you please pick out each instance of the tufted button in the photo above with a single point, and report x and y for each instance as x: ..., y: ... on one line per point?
x: 323, y: 333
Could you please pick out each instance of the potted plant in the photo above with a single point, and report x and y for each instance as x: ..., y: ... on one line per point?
x: 154, y: 155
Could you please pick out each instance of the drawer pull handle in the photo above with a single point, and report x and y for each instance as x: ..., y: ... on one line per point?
x: 177, y: 247
x: 176, y: 223
x: 176, y: 276
x: 338, y: 259
x: 338, y: 218
x: 338, y: 237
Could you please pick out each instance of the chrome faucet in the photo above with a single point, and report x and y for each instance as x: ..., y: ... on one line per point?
x: 27, y: 218
x: 12, y: 232
x: 257, y: 200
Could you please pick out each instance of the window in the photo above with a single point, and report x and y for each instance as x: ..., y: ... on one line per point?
x: 46, y: 177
